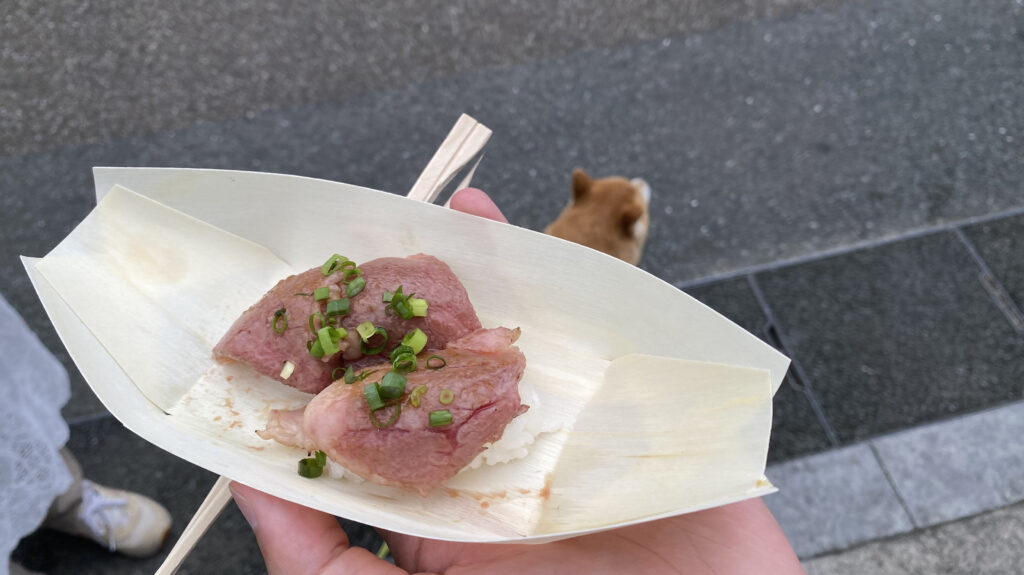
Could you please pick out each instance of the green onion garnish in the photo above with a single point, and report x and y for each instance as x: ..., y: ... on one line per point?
x: 417, y: 393
x: 403, y: 360
x: 313, y: 466
x: 436, y: 362
x: 369, y: 348
x: 337, y: 307
x: 308, y: 468
x: 447, y: 396
x: 418, y: 307
x: 416, y: 340
x: 333, y: 263
x: 334, y: 373
x: 440, y: 417
x: 391, y: 420
x: 350, y: 376
x: 315, y: 349
x: 400, y: 350
x: 354, y: 287
x: 321, y: 293
x: 312, y: 324
x: 365, y: 330
x: 400, y: 304
x: 404, y: 363
x: 401, y: 308
x: 383, y: 550
x: 328, y: 338
x: 280, y: 322
x: 286, y: 370
x: 392, y: 385
x: 372, y: 394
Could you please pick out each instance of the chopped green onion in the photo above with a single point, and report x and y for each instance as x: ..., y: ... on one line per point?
x: 436, y: 362
x: 337, y: 307
x: 309, y: 469
x: 312, y: 324
x: 440, y: 417
x: 321, y: 293
x: 400, y: 350
x: 418, y: 306
x: 403, y: 360
x: 366, y: 330
x: 280, y: 322
x: 315, y: 349
x: 333, y: 263
x: 417, y: 393
x: 416, y: 340
x: 334, y: 373
x: 392, y: 385
x: 447, y: 396
x: 328, y: 338
x: 401, y: 308
x: 372, y: 394
x: 383, y: 550
x: 391, y: 420
x: 313, y: 466
x: 287, y: 369
x: 402, y: 305
x: 404, y: 363
x: 351, y: 377
x: 348, y: 265
x: 355, y: 286
x: 375, y: 349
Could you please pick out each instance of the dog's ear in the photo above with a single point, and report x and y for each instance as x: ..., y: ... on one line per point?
x: 630, y: 215
x: 580, y: 184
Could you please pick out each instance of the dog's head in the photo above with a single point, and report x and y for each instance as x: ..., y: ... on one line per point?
x: 607, y: 214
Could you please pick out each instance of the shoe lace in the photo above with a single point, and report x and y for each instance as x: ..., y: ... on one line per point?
x: 102, y: 515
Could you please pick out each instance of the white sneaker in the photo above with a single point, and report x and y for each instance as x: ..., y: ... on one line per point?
x: 125, y: 522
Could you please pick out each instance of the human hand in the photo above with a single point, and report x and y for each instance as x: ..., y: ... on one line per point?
x: 738, y: 538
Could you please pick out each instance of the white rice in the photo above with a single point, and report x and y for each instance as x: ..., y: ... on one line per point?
x: 518, y: 435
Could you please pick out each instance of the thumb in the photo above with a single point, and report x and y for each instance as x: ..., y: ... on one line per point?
x: 299, y: 540
x: 476, y: 202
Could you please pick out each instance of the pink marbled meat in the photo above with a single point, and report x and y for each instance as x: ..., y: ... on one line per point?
x: 251, y: 339
x: 483, y: 370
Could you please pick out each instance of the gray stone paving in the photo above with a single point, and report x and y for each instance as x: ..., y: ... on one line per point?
x: 999, y: 243
x: 990, y: 544
x: 897, y: 335
x: 958, y: 468
x: 833, y: 500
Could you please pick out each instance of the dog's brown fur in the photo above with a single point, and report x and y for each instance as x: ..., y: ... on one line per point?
x: 607, y: 214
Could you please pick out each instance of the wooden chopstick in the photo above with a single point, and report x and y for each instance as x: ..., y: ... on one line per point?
x: 462, y: 144
x: 207, y: 513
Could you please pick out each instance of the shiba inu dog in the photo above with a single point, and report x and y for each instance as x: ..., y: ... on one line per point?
x: 607, y: 214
